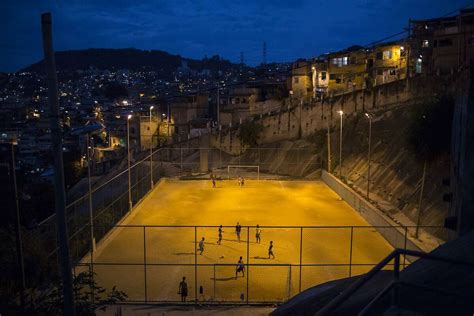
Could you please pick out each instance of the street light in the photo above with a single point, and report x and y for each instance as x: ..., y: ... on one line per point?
x: 369, y: 116
x: 87, y: 131
x: 128, y: 162
x: 341, y: 113
x: 19, y: 244
x: 151, y: 150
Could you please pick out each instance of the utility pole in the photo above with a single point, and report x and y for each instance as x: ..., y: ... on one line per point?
x: 60, y: 194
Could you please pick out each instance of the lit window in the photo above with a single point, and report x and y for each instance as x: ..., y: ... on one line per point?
x: 387, y: 54
x: 425, y: 43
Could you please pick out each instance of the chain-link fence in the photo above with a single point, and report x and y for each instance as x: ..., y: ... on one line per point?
x: 110, y: 199
x: 149, y: 262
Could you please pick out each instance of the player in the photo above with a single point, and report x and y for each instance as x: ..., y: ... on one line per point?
x: 238, y: 228
x: 258, y: 231
x: 270, y: 251
x: 220, y: 235
x: 240, y: 181
x: 183, y: 289
x: 240, y: 268
x: 201, y: 245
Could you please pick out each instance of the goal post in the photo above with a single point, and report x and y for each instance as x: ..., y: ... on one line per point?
x: 233, y: 170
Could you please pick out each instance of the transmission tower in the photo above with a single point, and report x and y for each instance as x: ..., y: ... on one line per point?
x: 264, y: 59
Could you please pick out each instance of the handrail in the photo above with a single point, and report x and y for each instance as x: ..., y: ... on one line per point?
x: 408, y: 284
x: 338, y: 300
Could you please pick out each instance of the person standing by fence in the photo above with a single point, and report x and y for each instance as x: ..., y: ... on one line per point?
x: 183, y: 290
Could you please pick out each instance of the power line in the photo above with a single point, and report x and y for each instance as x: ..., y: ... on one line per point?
x: 469, y: 4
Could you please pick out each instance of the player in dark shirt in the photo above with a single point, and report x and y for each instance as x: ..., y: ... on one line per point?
x: 270, y: 251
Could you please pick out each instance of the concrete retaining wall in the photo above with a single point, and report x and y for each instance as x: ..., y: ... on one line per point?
x: 394, y: 234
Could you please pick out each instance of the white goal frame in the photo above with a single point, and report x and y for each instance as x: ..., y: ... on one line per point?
x: 243, y: 166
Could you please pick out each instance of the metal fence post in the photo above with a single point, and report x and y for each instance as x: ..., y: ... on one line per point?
x: 195, y: 265
x: 350, y: 252
x: 396, y: 275
x: 248, y: 255
x: 144, y: 262
x: 301, y: 256
x: 405, y: 246
x: 214, y: 296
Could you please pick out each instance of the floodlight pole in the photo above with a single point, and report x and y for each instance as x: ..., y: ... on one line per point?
x: 340, y: 146
x: 130, y: 206
x: 151, y: 151
x: 91, y: 214
x: 369, y: 116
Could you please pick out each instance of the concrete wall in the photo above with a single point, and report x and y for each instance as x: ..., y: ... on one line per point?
x: 395, y: 236
x: 295, y: 120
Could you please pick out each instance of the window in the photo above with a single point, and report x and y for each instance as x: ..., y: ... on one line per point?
x: 296, y: 80
x: 425, y: 43
x: 445, y: 42
x: 323, y: 75
x: 418, y: 66
x: 340, y: 61
x: 392, y: 72
x: 387, y: 54
x: 379, y: 56
x: 332, y: 77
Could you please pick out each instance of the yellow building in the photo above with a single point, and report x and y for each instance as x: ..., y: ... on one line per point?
x: 388, y: 62
x: 347, y: 70
x: 301, y: 80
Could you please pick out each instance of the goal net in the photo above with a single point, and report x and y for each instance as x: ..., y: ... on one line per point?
x: 265, y: 282
x: 245, y: 171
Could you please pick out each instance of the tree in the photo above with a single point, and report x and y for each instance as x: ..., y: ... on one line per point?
x: 430, y: 129
x: 249, y: 133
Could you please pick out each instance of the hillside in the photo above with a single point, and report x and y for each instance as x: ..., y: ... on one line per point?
x: 130, y: 58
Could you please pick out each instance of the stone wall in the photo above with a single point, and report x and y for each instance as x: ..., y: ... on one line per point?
x: 295, y: 120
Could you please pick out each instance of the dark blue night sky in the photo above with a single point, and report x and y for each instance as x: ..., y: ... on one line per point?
x: 195, y: 28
